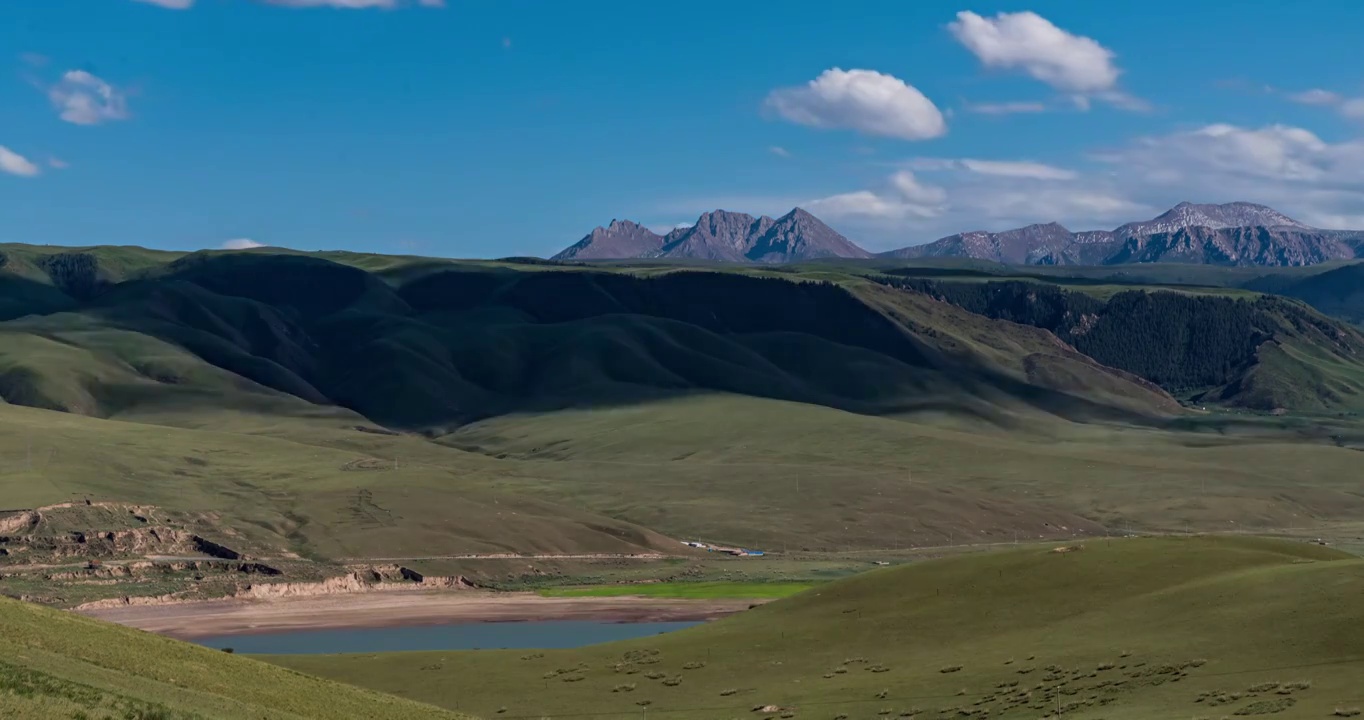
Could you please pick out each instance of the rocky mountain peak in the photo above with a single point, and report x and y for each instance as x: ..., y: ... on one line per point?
x: 721, y: 235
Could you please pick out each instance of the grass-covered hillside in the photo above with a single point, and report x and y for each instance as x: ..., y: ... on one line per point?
x: 1132, y: 629
x: 1262, y: 352
x: 450, y: 345
x: 351, y: 407
x: 60, y: 666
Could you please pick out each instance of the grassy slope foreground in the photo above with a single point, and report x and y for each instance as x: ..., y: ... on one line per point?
x: 1133, y: 629
x: 60, y: 666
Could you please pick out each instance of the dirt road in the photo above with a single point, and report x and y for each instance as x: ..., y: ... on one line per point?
x: 232, y: 617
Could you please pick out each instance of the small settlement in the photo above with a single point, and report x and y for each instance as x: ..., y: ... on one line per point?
x: 736, y: 551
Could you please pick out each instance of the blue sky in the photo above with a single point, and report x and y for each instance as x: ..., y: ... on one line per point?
x: 481, y: 128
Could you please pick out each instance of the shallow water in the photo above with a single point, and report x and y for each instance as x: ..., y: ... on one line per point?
x: 548, y: 635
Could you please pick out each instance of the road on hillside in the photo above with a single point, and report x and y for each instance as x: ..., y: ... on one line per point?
x: 517, y: 556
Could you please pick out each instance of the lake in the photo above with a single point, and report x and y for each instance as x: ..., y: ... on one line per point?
x: 548, y: 635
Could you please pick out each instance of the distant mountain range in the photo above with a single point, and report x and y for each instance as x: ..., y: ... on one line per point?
x: 720, y: 235
x: 1235, y: 233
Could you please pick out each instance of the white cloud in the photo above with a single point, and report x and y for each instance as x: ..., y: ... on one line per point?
x: 171, y: 4
x: 779, y: 151
x: 1005, y: 108
x: 1288, y: 168
x: 905, y: 197
x: 1028, y: 41
x: 1018, y: 169
x: 1315, y: 96
x: 1352, y: 108
x: 1316, y: 180
x: 665, y: 229
x: 915, y: 192
x: 241, y: 244
x: 864, y: 100
x: 84, y: 99
x: 1001, y: 168
x: 15, y: 164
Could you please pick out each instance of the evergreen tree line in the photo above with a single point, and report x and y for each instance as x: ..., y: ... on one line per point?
x: 1178, y: 341
x: 76, y: 274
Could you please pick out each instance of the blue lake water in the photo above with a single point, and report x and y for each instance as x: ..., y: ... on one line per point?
x: 548, y: 635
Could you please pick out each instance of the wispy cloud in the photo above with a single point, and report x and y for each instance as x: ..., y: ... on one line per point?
x: 241, y: 244
x: 1349, y: 107
x: 85, y: 99
x: 779, y: 151
x: 904, y: 196
x: 999, y: 168
x: 57, y: 163
x: 1004, y: 108
x: 33, y: 59
x: 864, y: 100
x: 13, y: 163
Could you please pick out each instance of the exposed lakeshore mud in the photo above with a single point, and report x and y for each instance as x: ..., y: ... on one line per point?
x: 187, y: 620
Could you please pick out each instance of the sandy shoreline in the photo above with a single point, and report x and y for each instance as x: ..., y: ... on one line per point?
x: 369, y: 610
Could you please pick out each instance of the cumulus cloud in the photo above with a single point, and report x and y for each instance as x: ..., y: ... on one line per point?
x: 1288, y: 168
x: 1317, y: 180
x: 15, y: 164
x: 85, y: 99
x: 241, y: 244
x: 1028, y: 42
x: 863, y: 100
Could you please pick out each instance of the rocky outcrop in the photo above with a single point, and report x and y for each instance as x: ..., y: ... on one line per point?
x: 367, y: 580
x: 112, y: 543
x: 131, y: 601
x: 19, y: 524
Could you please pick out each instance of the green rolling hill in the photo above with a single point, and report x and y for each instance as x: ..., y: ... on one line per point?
x: 1144, y: 629
x: 60, y: 665
x: 598, y: 404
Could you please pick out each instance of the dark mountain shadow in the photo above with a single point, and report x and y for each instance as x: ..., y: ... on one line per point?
x: 455, y: 346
